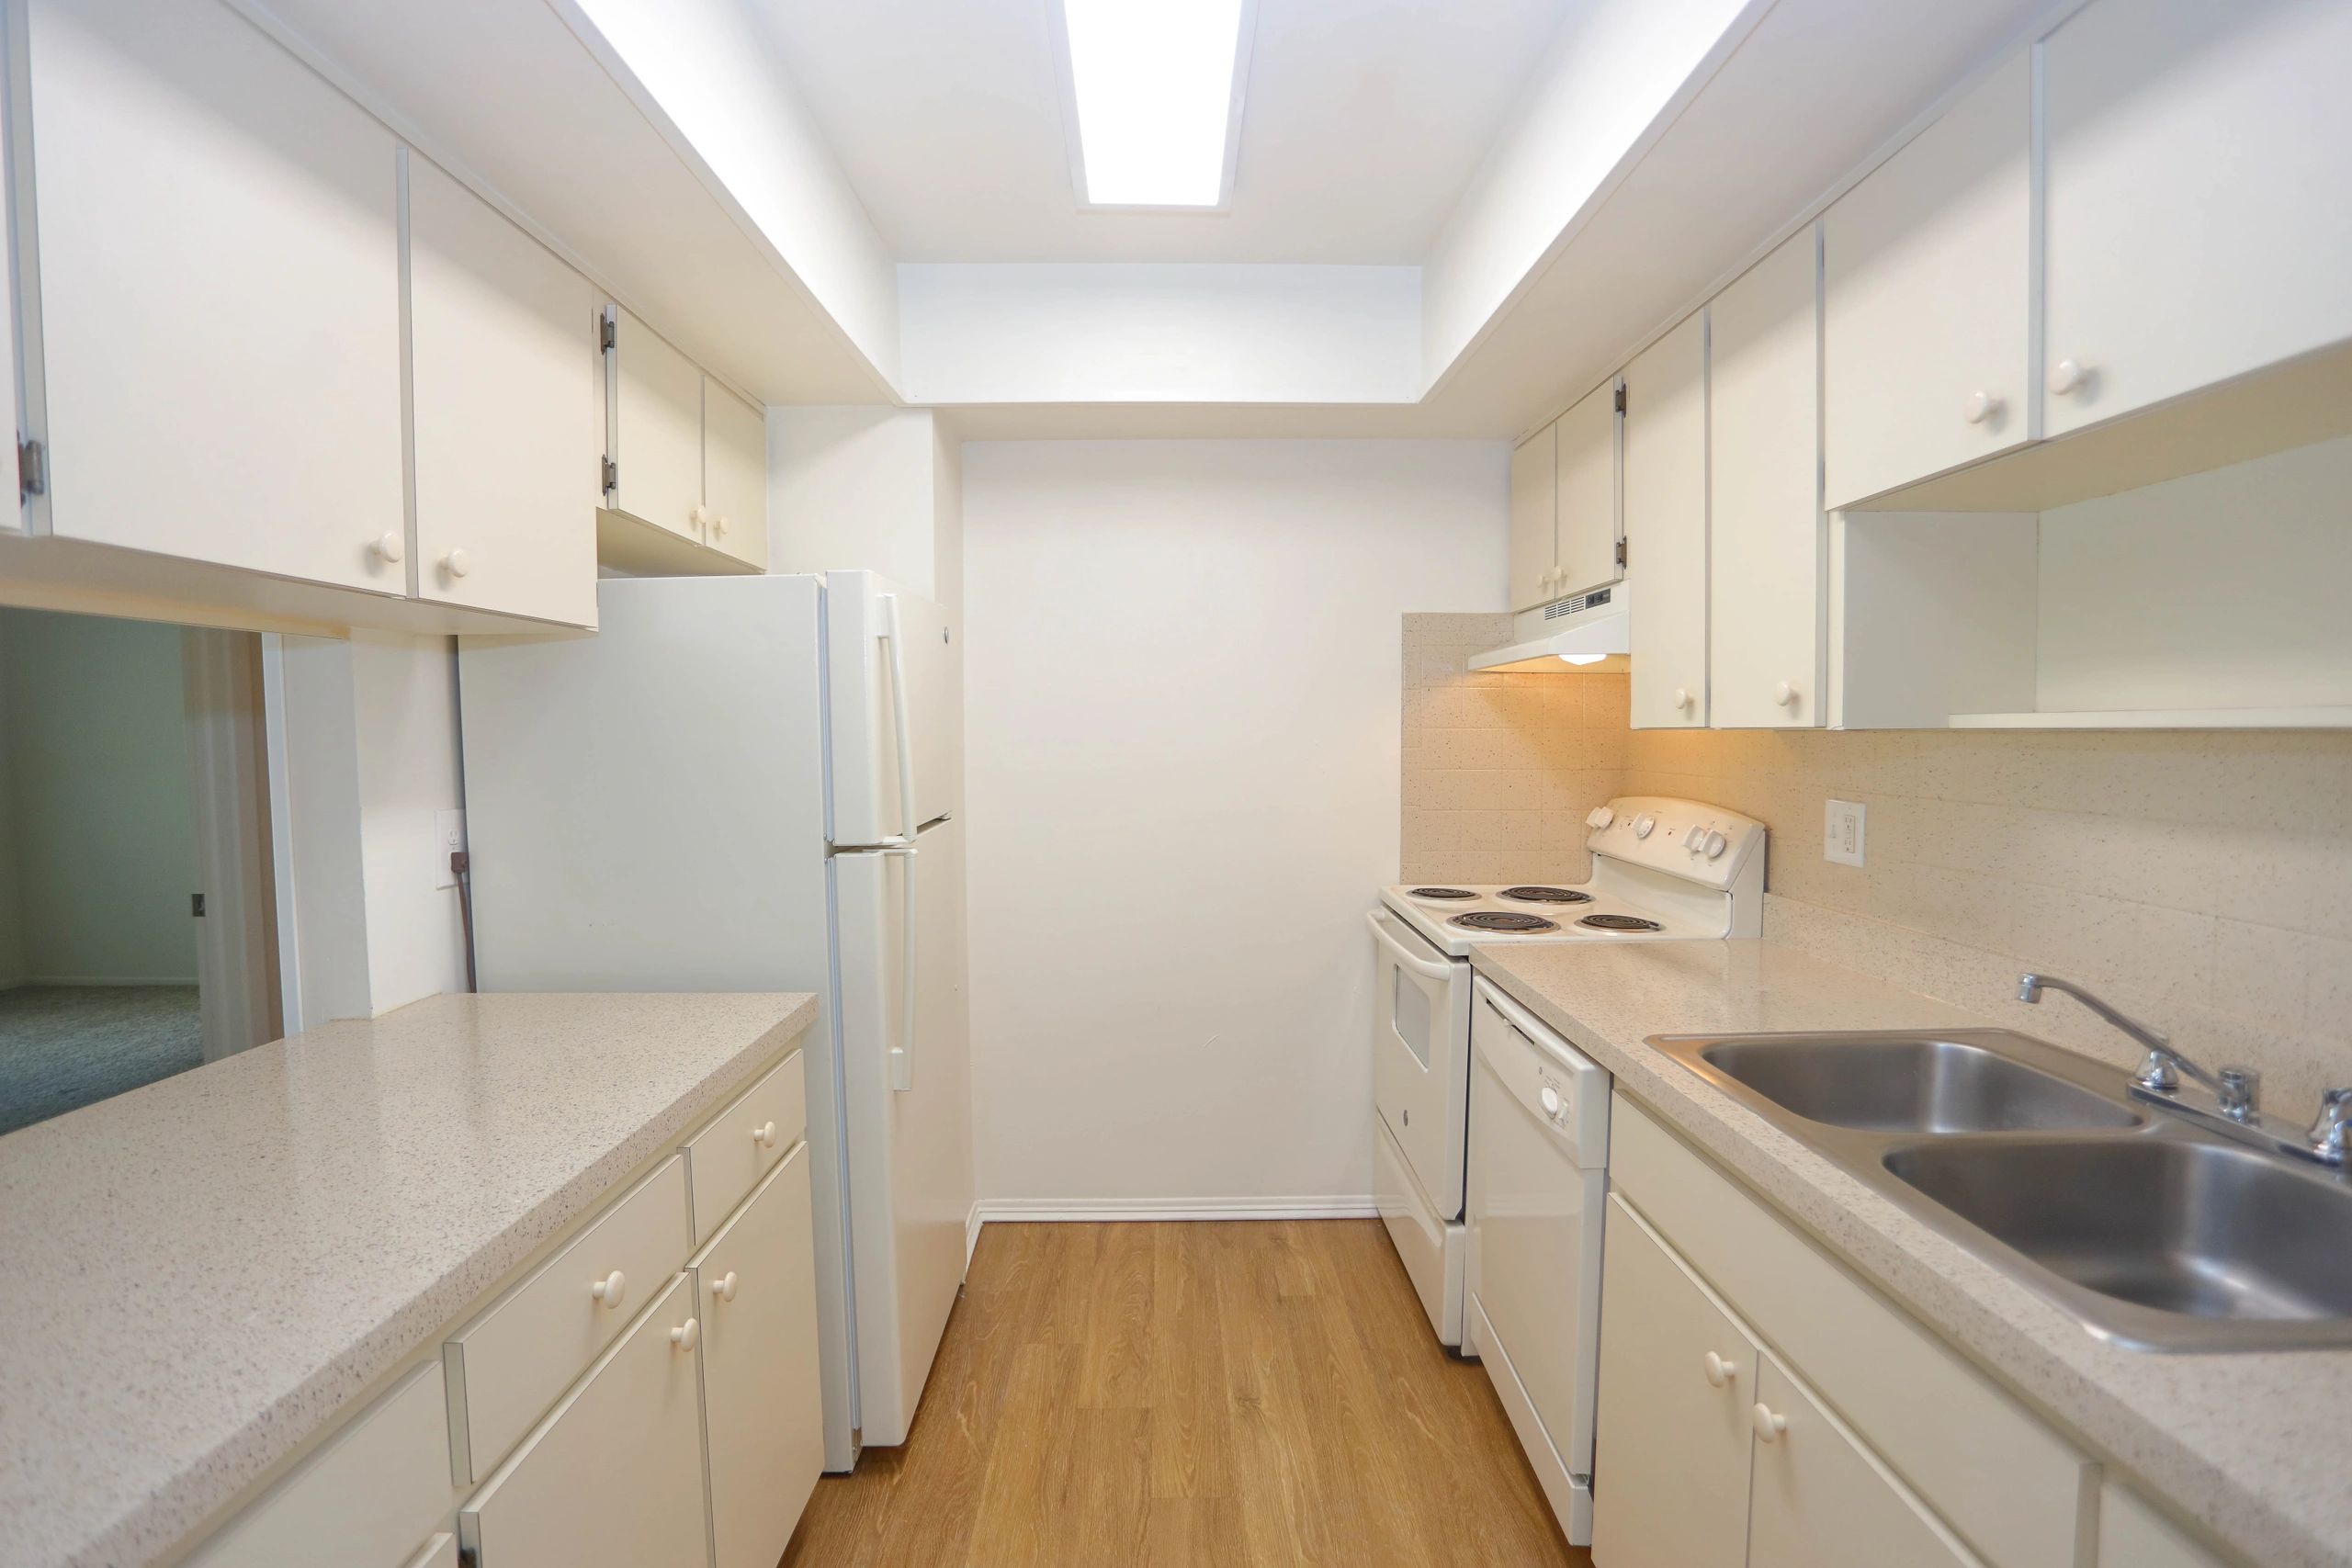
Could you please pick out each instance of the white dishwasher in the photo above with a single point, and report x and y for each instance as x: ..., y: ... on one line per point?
x: 1539, y: 1153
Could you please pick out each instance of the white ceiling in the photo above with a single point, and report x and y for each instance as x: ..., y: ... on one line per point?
x: 1365, y: 119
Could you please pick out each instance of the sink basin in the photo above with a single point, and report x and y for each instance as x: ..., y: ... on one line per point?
x: 2179, y: 1229
x: 2154, y: 1231
x: 1911, y: 1085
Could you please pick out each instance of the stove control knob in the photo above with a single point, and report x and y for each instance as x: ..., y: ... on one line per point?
x: 1716, y: 844
x: 1644, y: 825
x: 1696, y: 839
x: 1599, y: 817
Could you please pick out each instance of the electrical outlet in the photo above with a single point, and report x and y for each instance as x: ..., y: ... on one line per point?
x: 448, y: 835
x: 1841, y: 835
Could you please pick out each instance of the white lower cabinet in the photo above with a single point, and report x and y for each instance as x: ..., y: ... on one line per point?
x: 1819, y: 1499
x: 441, y: 1551
x: 613, y: 1478
x: 2133, y: 1535
x: 1670, y: 1465
x: 763, y: 1403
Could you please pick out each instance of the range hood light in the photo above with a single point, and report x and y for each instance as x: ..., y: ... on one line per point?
x: 1584, y: 629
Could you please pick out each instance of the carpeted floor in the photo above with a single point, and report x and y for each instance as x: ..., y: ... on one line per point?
x: 63, y: 1047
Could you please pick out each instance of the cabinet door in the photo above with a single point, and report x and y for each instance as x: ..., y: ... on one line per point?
x: 502, y: 366
x: 1821, y: 1500
x: 1671, y: 1436
x: 2198, y: 201
x: 1585, y: 534
x: 1666, y: 527
x: 2133, y: 1535
x: 735, y: 474
x: 217, y: 295
x: 756, y: 1284
x: 1926, y: 280
x: 656, y: 432
x: 1767, y: 549
x: 1531, y: 513
x: 613, y: 1478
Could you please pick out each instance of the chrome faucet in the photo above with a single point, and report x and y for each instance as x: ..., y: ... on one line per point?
x: 2238, y: 1091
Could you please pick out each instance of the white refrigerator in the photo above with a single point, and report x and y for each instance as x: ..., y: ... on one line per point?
x: 749, y: 783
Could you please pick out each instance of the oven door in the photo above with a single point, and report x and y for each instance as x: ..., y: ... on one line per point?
x: 1421, y: 1055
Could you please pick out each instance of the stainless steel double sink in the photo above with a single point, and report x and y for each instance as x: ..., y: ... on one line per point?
x: 2152, y: 1233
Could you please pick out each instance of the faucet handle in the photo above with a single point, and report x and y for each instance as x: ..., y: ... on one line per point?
x: 2240, y: 1092
x: 2332, y: 1133
x: 2158, y: 1073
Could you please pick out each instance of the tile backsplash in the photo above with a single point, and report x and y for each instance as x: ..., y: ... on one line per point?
x: 2201, y: 880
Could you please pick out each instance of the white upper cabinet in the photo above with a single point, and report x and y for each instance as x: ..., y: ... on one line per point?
x: 217, y: 296
x: 655, y: 429
x: 1927, y: 268
x: 1584, y: 548
x: 1533, y: 508
x: 503, y: 368
x: 1666, y: 527
x: 2199, y: 198
x: 735, y: 475
x: 1767, y: 547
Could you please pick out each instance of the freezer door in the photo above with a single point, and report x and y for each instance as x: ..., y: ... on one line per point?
x: 910, y: 1147
x: 892, y: 704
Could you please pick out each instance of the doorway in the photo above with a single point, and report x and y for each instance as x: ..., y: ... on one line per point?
x: 137, y: 917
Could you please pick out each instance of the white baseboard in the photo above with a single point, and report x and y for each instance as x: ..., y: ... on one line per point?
x: 1082, y: 1210
x: 98, y: 981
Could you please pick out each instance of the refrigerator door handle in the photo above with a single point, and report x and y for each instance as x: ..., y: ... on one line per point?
x: 907, y: 824
x: 902, y: 1055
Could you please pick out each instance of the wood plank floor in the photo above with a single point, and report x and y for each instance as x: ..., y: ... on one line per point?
x: 1170, y: 1394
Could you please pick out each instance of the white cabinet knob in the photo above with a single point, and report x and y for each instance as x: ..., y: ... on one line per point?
x: 1719, y: 1371
x: 719, y: 526
x: 2067, y: 376
x: 1550, y: 1098
x: 723, y: 1288
x: 1768, y: 1426
x: 698, y: 516
x: 1715, y: 845
x: 1980, y: 406
x: 389, y: 546
x: 764, y: 1135
x: 457, y: 563
x: 1784, y: 695
x: 688, y: 1335
x: 610, y: 1289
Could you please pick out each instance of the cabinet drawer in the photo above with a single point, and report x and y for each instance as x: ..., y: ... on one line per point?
x: 2007, y: 1482
x: 613, y: 1478
x: 727, y: 1157
x: 510, y: 1364
x: 755, y: 1284
x: 377, y: 1489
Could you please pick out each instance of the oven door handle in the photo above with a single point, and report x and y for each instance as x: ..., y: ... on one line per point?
x: 1428, y: 969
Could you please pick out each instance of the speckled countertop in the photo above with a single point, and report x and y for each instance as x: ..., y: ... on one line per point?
x: 198, y: 1275
x: 2254, y: 1444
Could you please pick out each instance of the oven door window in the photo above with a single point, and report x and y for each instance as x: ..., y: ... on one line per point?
x: 1410, y: 1012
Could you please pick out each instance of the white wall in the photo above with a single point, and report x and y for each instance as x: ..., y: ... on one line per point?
x: 371, y: 750
x: 1608, y: 84
x: 857, y: 487
x: 1134, y: 332
x: 104, y: 855
x: 1182, y: 669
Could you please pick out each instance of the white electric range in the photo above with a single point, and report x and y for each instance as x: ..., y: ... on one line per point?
x: 1663, y: 870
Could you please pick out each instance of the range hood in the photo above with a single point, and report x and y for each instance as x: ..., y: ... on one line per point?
x: 1578, y: 633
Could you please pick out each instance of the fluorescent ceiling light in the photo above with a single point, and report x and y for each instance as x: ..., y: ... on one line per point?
x: 1155, y: 89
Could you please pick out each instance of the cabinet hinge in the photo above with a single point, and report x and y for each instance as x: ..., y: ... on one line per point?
x: 604, y: 335
x: 1620, y: 554
x: 1621, y: 400
x: 610, y: 473
x: 32, y: 470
